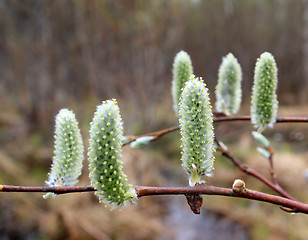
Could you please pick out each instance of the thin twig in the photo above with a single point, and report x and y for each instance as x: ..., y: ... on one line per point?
x: 219, y: 118
x: 57, y: 190
x: 248, y: 118
x: 287, y: 202
x: 142, y: 191
x: 271, y: 162
x: 252, y: 172
x: 295, y: 206
x: 156, y: 134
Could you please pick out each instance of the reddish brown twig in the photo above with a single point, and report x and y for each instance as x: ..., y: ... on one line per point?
x: 218, y: 118
x: 288, y: 205
x: 271, y: 162
x: 142, y: 191
x: 156, y: 134
x: 254, y: 173
x: 211, y: 190
x: 57, y: 190
x: 221, y: 118
x: 247, y: 118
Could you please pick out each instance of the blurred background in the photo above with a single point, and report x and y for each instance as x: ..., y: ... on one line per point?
x: 74, y: 54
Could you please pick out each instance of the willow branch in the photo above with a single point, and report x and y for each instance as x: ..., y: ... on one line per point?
x: 218, y: 118
x: 142, y: 191
x: 271, y: 162
x: 156, y: 134
x: 244, y: 168
x: 211, y: 190
x: 57, y: 190
x: 248, y: 118
x: 221, y: 118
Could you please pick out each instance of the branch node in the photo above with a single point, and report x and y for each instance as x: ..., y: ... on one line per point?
x: 289, y: 210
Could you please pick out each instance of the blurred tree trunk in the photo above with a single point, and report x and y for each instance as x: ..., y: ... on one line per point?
x: 304, y: 88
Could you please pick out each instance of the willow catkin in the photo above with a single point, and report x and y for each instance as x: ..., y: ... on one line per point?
x: 68, y: 151
x: 182, y: 70
x: 264, y: 103
x: 197, y: 136
x: 104, y: 154
x: 228, y: 90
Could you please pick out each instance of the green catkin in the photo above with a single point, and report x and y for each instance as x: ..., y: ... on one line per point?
x: 182, y: 70
x: 228, y: 90
x: 107, y: 177
x: 197, y: 135
x: 264, y: 153
x: 139, y: 142
x: 68, y: 153
x: 264, y: 104
x: 261, y: 139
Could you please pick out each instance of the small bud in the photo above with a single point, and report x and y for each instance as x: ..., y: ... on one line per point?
x: 182, y: 70
x: 261, y: 138
x: 141, y: 141
x: 48, y: 195
x: 238, y: 186
x: 228, y: 90
x: 124, y: 140
x: 263, y: 152
x: 224, y: 147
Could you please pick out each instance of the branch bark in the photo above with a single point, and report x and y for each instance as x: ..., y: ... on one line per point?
x: 248, y: 118
x: 294, y: 206
x: 255, y: 174
x: 222, y: 118
x: 287, y: 203
x: 218, y: 118
x: 271, y: 162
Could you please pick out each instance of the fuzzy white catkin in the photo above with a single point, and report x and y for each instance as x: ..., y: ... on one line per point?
x: 182, y: 70
x: 104, y: 154
x: 197, y: 135
x: 264, y: 103
x: 68, y: 151
x: 228, y: 90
